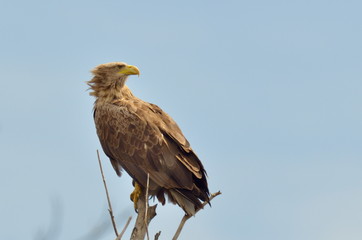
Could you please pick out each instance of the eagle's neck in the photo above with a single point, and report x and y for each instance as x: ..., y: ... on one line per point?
x: 108, y: 93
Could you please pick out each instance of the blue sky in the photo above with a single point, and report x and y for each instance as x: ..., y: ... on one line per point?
x: 267, y: 92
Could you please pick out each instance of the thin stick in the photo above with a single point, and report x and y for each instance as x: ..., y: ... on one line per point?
x: 124, y: 229
x: 186, y: 217
x: 146, y: 214
x: 108, y: 198
x: 157, y: 235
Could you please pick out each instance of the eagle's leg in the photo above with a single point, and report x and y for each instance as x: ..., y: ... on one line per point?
x: 135, y: 195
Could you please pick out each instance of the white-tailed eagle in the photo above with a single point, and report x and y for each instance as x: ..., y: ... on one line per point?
x: 140, y: 138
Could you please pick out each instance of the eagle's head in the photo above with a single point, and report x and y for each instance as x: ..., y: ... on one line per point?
x: 110, y: 76
x: 115, y: 70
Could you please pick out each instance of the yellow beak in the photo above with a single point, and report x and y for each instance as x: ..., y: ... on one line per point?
x: 130, y: 70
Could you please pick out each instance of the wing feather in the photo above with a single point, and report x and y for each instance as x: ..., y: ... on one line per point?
x: 140, y: 138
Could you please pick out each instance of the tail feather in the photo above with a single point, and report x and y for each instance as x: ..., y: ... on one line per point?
x: 186, y: 199
x: 188, y: 206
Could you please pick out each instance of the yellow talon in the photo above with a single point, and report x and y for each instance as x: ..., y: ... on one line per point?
x: 136, y: 194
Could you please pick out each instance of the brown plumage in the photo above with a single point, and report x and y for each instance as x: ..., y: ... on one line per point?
x: 140, y: 138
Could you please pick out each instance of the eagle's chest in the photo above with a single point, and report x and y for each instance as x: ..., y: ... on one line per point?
x: 121, y: 128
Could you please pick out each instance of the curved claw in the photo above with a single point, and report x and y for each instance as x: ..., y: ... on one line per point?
x: 135, y: 195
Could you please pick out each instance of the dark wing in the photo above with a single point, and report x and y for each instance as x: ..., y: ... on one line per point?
x: 142, y: 139
x: 183, y: 152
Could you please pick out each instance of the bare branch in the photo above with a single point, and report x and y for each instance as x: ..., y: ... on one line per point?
x: 186, y: 217
x: 146, y: 205
x: 124, y: 229
x: 157, y: 235
x: 108, y: 198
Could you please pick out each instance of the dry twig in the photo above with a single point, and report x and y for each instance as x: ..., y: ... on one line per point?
x: 124, y: 229
x: 146, y: 213
x: 108, y: 198
x: 186, y: 217
x: 157, y: 235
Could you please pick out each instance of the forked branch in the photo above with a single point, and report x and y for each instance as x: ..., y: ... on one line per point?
x: 140, y: 228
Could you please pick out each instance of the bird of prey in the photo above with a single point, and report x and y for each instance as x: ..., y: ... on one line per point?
x: 140, y: 138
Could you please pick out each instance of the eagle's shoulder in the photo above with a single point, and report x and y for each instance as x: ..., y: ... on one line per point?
x: 151, y: 114
x: 167, y: 125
